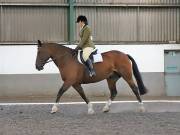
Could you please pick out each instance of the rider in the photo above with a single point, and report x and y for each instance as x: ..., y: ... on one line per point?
x: 86, y: 43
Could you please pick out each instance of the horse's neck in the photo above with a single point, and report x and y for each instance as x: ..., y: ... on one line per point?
x: 60, y: 54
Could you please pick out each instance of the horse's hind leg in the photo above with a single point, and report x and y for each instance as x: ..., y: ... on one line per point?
x: 80, y: 90
x: 135, y: 90
x: 113, y: 91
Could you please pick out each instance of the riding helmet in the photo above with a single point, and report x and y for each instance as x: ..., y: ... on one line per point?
x: 82, y: 18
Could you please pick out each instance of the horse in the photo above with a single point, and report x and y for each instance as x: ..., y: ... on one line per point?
x: 115, y: 65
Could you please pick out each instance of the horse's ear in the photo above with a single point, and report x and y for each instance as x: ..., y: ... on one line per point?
x: 39, y: 43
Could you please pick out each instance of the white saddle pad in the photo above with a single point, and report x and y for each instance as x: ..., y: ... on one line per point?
x: 98, y: 58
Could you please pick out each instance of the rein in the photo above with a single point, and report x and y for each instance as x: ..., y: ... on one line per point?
x: 53, y: 59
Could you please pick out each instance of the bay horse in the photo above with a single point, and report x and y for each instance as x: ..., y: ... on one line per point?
x: 115, y: 65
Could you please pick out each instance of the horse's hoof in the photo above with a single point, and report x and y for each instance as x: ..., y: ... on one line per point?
x: 91, y: 112
x: 106, y: 109
x: 52, y: 112
x: 54, y: 109
x: 142, y: 109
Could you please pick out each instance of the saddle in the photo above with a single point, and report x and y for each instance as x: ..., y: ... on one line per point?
x: 95, y: 56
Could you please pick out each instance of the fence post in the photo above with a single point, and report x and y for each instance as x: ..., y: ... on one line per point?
x: 71, y: 21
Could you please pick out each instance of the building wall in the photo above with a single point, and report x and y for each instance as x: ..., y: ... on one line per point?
x: 19, y: 78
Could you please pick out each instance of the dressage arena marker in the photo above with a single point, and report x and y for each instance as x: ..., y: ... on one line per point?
x: 95, y: 102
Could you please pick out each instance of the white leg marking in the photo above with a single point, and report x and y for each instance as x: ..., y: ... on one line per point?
x: 90, y: 108
x: 107, y: 106
x: 141, y: 107
x: 54, y: 108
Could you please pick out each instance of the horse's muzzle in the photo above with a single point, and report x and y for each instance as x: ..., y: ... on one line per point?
x: 39, y: 67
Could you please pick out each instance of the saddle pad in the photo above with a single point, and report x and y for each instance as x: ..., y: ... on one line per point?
x: 98, y: 58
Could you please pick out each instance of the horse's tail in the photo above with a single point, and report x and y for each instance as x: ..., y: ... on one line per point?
x: 142, y: 88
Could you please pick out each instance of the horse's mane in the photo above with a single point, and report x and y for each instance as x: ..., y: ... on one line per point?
x: 59, y: 46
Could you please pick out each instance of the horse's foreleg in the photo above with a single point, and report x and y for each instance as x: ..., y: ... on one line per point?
x: 107, y: 106
x: 80, y: 90
x: 60, y: 93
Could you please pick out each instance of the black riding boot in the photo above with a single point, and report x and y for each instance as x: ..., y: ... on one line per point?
x: 89, y: 65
